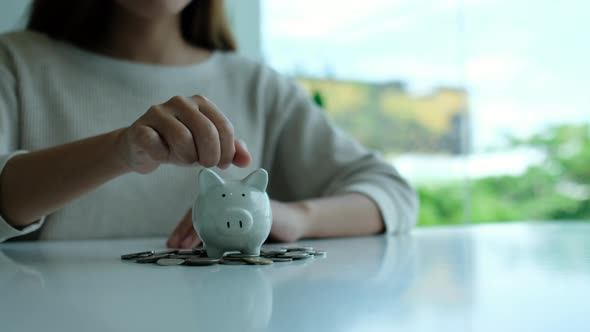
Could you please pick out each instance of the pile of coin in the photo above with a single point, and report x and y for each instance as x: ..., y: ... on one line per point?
x: 198, y: 256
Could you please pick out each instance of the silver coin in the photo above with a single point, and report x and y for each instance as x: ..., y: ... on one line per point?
x: 257, y: 260
x: 169, y: 252
x: 170, y: 261
x: 272, y: 253
x: 151, y: 259
x: 240, y: 255
x: 199, y: 251
x: 232, y: 261
x: 320, y: 253
x: 185, y: 251
x: 177, y: 256
x: 138, y: 254
x: 294, y: 255
x: 203, y: 254
x: 201, y: 261
x: 279, y: 259
x: 232, y: 258
x: 304, y: 249
x: 269, y: 255
x: 273, y: 250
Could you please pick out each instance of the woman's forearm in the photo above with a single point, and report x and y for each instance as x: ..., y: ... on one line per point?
x: 38, y: 183
x: 347, y: 215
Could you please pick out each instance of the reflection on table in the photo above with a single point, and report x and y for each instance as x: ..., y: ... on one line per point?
x: 501, y: 277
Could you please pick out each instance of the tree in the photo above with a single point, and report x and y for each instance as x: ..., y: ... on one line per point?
x: 557, y: 189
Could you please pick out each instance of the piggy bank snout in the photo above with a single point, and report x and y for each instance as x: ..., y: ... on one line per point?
x: 235, y: 221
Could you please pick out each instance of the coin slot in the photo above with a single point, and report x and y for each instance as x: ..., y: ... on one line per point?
x: 228, y: 224
x: 240, y: 224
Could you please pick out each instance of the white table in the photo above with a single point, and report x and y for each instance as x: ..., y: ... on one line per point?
x: 504, y: 277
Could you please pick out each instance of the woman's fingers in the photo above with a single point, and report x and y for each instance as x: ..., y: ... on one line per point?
x: 242, y: 158
x: 184, y: 131
x: 205, y: 137
x: 191, y: 241
x: 223, y: 126
x: 178, y: 138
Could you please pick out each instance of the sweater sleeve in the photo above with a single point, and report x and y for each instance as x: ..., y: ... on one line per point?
x: 314, y: 158
x: 9, y: 136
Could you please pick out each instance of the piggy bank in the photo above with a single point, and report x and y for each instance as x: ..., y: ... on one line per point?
x: 232, y: 215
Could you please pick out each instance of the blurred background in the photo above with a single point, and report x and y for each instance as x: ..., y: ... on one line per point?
x: 480, y: 103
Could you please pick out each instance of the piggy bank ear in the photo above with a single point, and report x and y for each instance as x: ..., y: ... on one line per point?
x: 208, y: 179
x: 257, y: 179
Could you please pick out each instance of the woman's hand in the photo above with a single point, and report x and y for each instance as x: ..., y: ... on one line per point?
x: 184, y: 235
x: 182, y: 131
x: 289, y: 221
x: 289, y: 224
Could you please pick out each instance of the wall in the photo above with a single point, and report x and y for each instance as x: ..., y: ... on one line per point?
x: 12, y: 14
x: 244, y: 18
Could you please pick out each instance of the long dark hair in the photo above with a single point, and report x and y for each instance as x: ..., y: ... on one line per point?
x: 85, y: 22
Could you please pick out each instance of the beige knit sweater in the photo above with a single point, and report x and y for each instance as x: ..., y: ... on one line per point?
x: 52, y: 93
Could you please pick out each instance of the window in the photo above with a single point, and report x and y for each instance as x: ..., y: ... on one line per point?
x: 480, y: 103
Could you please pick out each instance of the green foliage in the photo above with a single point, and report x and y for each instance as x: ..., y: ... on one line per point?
x: 442, y: 205
x: 535, y: 195
x: 318, y: 99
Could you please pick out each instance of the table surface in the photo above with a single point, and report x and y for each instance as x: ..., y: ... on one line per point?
x: 502, y: 277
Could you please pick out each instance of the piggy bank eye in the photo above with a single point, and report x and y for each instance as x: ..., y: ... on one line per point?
x: 222, y: 195
x: 243, y: 195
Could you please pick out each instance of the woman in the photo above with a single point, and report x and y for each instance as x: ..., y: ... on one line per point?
x: 102, y: 101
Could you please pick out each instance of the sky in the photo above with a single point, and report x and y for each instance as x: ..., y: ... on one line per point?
x: 524, y: 63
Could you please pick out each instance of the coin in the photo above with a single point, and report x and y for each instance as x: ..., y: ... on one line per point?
x: 201, y: 261
x: 257, y: 260
x: 137, y: 254
x: 297, y: 252
x: 181, y: 256
x: 170, y: 261
x: 294, y: 255
x: 232, y: 262
x: 273, y: 250
x: 185, y: 251
x: 272, y: 253
x: 171, y: 251
x: 304, y: 249
x: 239, y: 255
x: 279, y: 259
x: 199, y: 251
x: 151, y: 259
x: 198, y: 256
x: 233, y: 258
x: 320, y: 253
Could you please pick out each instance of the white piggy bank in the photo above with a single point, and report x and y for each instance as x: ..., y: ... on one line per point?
x: 232, y: 215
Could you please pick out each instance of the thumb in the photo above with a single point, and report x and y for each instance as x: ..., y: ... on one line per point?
x: 242, y: 158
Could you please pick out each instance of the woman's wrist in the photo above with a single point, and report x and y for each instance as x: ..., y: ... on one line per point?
x: 116, y: 158
x: 303, y: 212
x: 349, y: 214
x: 37, y: 183
x: 289, y: 221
